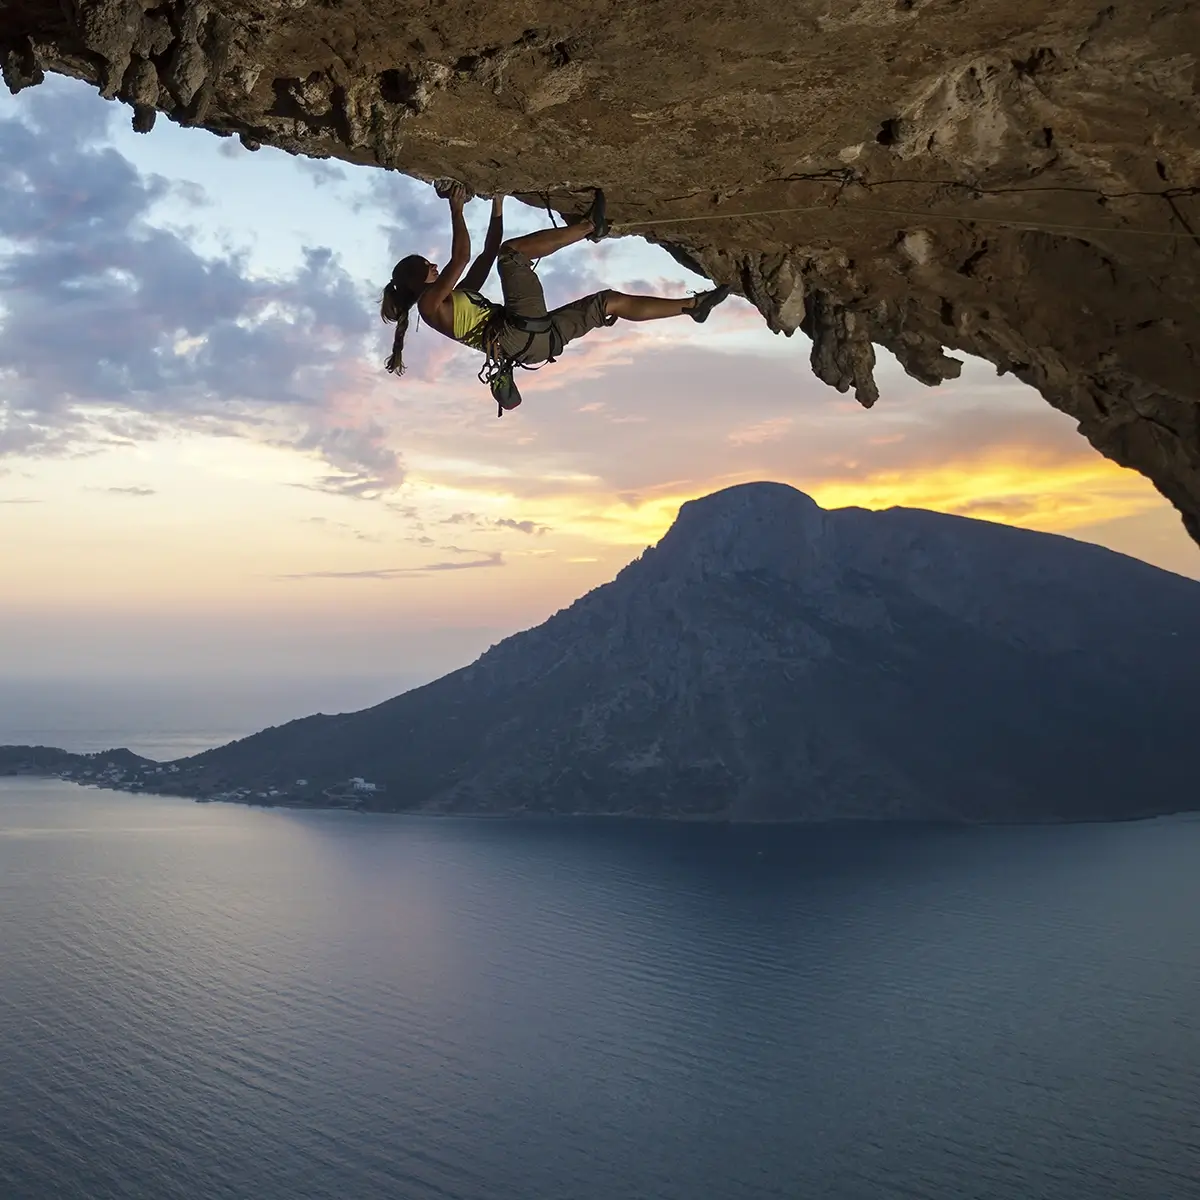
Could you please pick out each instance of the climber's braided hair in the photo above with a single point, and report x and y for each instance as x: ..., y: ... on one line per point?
x: 407, y: 283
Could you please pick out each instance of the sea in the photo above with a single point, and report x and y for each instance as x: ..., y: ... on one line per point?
x: 212, y: 1001
x: 164, y: 716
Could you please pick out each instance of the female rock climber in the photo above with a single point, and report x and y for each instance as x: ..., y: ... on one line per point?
x: 520, y: 332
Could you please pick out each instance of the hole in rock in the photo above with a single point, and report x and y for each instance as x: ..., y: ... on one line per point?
x: 889, y: 132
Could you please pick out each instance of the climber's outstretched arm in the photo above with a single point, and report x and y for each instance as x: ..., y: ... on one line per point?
x: 481, y: 268
x: 438, y: 292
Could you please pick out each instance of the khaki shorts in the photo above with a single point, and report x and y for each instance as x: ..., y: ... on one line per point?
x: 523, y: 296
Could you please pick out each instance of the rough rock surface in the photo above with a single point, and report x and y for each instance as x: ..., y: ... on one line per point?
x: 768, y: 660
x: 1017, y: 180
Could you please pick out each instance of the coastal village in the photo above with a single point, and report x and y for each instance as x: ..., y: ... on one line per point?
x: 122, y: 770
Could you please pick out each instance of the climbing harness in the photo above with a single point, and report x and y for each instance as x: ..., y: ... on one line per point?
x: 498, y: 366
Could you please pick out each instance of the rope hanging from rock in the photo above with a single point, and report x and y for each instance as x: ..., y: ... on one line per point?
x: 445, y: 186
x: 1042, y: 226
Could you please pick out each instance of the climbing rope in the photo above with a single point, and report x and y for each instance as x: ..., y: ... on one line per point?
x: 1038, y: 226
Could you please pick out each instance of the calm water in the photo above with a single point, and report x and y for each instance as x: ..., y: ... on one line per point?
x: 212, y: 1001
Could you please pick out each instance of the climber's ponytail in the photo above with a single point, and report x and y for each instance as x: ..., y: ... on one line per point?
x: 408, y: 279
x: 395, y: 308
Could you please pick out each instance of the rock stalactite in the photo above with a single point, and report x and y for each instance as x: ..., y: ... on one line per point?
x: 1015, y: 181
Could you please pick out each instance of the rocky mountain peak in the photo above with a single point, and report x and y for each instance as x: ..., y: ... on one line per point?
x: 769, y: 528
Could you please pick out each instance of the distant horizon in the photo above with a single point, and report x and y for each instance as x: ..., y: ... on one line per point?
x: 166, y: 717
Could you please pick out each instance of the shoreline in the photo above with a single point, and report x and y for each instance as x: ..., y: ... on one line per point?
x: 616, y: 817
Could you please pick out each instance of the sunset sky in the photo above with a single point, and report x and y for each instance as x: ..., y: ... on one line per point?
x: 204, y: 468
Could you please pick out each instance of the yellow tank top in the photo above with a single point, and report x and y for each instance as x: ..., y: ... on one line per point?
x: 469, y: 318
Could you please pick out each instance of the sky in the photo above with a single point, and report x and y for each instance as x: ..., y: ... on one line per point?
x: 205, y: 471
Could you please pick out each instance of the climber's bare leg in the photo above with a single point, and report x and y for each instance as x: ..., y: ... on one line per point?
x: 645, y: 308
x: 654, y: 308
x: 546, y: 241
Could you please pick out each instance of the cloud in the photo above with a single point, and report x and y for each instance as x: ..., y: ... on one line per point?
x: 417, y: 221
x: 129, y: 491
x: 1011, y: 509
x: 491, y: 560
x: 367, y: 465
x: 357, y: 534
x: 762, y: 431
x: 520, y: 526
x: 20, y: 500
x: 322, y: 172
x: 107, y: 319
x: 1014, y: 485
x: 476, y: 520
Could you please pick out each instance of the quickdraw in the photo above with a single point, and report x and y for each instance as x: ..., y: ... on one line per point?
x: 498, y: 366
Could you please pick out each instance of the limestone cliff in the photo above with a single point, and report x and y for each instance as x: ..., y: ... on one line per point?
x: 1016, y: 179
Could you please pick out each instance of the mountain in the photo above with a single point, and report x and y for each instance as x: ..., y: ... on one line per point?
x: 109, y: 765
x: 769, y: 660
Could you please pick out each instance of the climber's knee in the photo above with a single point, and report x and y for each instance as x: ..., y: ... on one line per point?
x: 510, y: 249
x: 613, y: 304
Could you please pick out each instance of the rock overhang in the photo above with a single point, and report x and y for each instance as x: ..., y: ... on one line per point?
x: 1019, y: 182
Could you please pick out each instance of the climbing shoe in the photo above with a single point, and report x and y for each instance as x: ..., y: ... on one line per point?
x: 595, y: 214
x: 706, y: 302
